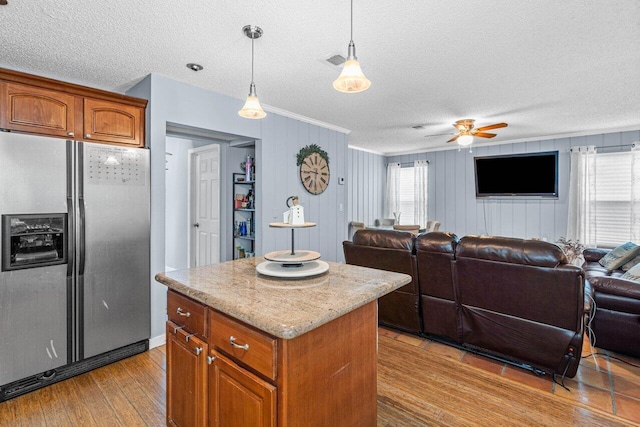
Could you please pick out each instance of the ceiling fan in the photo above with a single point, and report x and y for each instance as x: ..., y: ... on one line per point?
x: 466, y: 131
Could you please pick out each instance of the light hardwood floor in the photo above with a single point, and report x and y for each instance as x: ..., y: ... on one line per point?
x: 420, y: 383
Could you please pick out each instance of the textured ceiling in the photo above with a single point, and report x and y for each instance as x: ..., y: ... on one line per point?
x: 545, y: 67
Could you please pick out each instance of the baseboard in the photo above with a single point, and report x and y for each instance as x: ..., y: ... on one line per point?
x: 157, y: 341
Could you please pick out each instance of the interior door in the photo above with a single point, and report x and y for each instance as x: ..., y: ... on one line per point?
x: 205, y: 206
x: 115, y: 240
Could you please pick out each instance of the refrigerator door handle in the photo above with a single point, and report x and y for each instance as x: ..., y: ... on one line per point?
x: 70, y: 211
x: 81, y: 237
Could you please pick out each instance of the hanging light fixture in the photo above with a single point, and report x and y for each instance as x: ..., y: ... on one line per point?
x: 465, y: 139
x: 252, y: 108
x: 351, y: 80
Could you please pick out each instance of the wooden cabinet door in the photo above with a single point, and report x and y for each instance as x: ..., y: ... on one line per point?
x: 32, y: 109
x: 106, y: 121
x: 186, y: 378
x: 238, y: 397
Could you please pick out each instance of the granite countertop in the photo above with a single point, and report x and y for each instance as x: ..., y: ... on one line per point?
x: 285, y: 308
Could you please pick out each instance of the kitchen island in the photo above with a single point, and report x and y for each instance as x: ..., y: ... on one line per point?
x: 247, y: 349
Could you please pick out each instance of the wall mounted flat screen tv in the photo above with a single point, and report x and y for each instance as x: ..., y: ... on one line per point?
x: 528, y: 175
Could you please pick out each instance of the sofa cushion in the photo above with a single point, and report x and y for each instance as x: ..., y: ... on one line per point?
x: 633, y: 274
x: 389, y: 239
x: 619, y: 256
x: 629, y: 265
x: 511, y: 250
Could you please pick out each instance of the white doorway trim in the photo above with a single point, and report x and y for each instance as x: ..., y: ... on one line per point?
x: 193, y: 169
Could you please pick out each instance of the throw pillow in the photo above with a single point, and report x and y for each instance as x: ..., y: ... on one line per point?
x: 631, y: 263
x: 633, y: 274
x: 619, y: 256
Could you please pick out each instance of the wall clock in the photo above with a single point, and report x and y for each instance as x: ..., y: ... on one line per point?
x: 314, y: 168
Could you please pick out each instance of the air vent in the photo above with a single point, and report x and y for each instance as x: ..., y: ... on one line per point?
x: 336, y: 60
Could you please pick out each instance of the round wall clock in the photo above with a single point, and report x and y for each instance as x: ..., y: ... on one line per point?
x: 314, y: 169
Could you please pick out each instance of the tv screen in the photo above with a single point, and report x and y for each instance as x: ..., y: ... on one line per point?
x: 531, y: 174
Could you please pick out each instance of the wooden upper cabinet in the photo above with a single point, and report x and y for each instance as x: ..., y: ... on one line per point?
x: 112, y: 122
x: 43, y: 106
x: 36, y: 110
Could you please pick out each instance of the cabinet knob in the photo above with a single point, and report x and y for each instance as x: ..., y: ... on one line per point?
x: 181, y: 312
x: 232, y: 341
x: 88, y: 136
x: 198, y: 350
x: 210, y: 359
x: 69, y: 133
x: 196, y: 225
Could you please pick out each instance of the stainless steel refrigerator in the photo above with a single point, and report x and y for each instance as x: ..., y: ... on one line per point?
x: 74, y: 282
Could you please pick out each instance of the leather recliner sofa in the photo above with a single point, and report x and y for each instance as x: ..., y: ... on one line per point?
x: 513, y: 299
x: 392, y: 251
x: 616, y: 324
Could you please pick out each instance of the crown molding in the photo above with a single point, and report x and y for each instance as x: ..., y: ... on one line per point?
x: 305, y: 119
x: 367, y: 150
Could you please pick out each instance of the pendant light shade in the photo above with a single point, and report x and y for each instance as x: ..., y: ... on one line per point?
x: 351, y: 80
x: 252, y: 108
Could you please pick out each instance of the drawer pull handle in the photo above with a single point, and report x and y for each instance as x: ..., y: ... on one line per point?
x: 232, y: 341
x: 183, y: 313
x: 188, y: 336
x: 176, y: 329
x: 210, y: 359
x: 198, y: 350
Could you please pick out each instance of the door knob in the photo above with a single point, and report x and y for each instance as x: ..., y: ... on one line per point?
x: 196, y: 225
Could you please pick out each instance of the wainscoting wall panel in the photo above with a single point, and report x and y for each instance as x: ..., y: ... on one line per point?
x: 366, y: 185
x: 452, y: 199
x: 278, y: 174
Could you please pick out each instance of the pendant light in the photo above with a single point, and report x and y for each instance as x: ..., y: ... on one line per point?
x: 351, y: 80
x: 252, y: 108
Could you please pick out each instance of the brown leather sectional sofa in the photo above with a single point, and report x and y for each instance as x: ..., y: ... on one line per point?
x: 512, y: 299
x: 616, y: 325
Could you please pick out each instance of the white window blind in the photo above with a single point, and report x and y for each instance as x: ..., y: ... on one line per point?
x: 613, y: 183
x: 406, y: 196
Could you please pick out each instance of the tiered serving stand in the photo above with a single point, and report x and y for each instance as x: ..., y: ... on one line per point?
x: 292, y: 263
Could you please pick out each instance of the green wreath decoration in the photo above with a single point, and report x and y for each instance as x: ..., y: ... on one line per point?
x: 309, y: 149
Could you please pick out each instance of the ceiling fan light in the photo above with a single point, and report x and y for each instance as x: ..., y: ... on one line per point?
x: 465, y: 140
x: 352, y: 79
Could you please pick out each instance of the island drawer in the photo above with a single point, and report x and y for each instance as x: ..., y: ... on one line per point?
x: 187, y: 313
x: 243, y: 344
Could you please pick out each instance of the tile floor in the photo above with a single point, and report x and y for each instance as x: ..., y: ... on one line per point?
x: 603, y: 382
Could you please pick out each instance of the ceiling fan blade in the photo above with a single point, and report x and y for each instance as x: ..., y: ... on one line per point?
x: 484, y: 134
x: 494, y: 126
x: 454, y: 138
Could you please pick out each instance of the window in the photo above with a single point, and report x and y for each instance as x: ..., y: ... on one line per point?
x: 406, y: 196
x: 613, y: 198
x: 407, y: 193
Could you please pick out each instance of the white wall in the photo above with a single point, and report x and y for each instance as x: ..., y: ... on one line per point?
x: 278, y: 139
